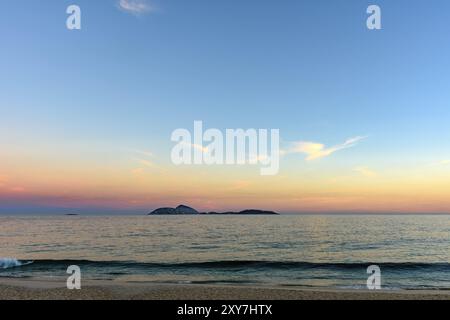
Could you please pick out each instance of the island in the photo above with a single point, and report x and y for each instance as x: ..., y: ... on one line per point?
x: 185, y: 210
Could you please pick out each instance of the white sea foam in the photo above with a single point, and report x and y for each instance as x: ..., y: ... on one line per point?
x: 6, y: 263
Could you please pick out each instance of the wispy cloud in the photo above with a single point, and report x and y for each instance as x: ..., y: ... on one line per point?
x: 439, y: 163
x: 138, y: 171
x: 196, y: 147
x: 315, y: 150
x: 3, y: 181
x: 365, y: 171
x: 443, y: 163
x: 136, y: 7
x: 146, y: 167
x: 240, y: 184
x: 146, y: 163
x: 145, y: 153
x: 18, y: 189
x: 141, y: 157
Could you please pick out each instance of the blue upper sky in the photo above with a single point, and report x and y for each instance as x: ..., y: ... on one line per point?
x: 310, y: 68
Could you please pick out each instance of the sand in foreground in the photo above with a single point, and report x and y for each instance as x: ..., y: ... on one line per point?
x: 26, y: 289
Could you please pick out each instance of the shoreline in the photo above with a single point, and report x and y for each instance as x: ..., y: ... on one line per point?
x: 38, y: 289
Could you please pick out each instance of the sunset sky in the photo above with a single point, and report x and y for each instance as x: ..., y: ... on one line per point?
x: 86, y: 115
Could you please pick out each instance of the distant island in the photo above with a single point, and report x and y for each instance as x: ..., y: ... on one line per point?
x: 185, y: 210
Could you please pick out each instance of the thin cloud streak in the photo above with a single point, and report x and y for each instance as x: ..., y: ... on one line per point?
x: 136, y: 7
x: 365, y: 171
x: 443, y: 163
x: 315, y: 150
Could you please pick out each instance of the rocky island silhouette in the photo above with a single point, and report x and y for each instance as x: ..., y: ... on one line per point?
x: 186, y: 210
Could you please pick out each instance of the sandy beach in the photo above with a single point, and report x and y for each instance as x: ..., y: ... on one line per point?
x: 36, y: 289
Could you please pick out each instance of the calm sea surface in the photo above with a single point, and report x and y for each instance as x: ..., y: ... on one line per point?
x: 413, y: 252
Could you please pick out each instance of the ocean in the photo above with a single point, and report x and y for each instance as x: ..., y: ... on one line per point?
x: 313, y: 251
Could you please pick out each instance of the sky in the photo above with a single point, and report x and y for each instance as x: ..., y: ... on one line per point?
x: 86, y: 115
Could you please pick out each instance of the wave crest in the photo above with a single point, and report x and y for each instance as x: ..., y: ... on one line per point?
x: 243, y: 264
x: 6, y: 263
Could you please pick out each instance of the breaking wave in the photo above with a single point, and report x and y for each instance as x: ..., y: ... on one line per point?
x: 6, y: 263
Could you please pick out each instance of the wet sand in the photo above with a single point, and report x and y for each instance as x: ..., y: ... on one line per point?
x: 35, y: 289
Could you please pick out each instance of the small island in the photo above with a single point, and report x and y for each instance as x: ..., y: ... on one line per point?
x: 185, y: 210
